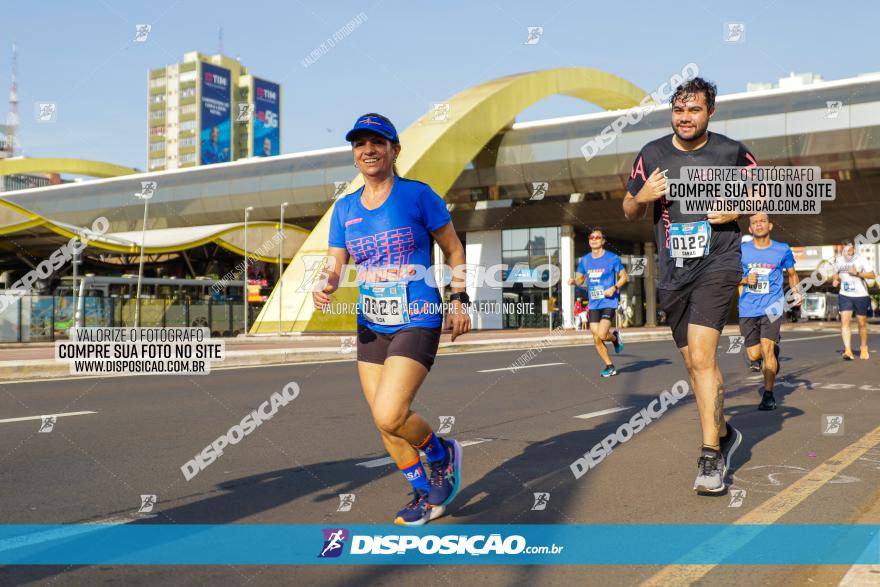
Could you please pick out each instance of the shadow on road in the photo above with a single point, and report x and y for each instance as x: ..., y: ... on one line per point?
x: 503, y: 495
x: 640, y: 365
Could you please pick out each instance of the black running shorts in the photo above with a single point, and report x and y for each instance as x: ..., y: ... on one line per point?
x: 705, y: 301
x: 603, y: 314
x: 754, y: 329
x: 418, y: 344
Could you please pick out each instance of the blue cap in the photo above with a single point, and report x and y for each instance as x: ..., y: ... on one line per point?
x: 374, y: 123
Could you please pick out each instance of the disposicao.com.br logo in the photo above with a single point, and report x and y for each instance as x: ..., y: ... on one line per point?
x: 334, y: 540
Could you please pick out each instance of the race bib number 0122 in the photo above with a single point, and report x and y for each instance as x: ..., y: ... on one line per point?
x: 688, y: 240
x: 384, y: 303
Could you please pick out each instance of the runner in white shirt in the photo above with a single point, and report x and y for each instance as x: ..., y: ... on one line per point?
x: 850, y: 272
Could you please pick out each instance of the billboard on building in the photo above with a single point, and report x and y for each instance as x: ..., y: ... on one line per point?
x: 267, y: 119
x: 215, y: 133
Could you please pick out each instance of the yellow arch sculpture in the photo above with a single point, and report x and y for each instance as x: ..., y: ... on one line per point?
x: 63, y: 165
x: 436, y: 153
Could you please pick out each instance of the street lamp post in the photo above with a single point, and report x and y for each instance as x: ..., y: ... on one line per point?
x: 281, y: 267
x: 145, y: 195
x: 76, y: 316
x: 247, y: 212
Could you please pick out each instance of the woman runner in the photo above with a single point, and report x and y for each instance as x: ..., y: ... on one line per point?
x: 387, y: 227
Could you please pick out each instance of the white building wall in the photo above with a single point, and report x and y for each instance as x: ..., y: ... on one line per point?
x: 482, y: 250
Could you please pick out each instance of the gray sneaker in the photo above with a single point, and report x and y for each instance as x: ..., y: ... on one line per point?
x: 710, y: 473
x: 729, y: 444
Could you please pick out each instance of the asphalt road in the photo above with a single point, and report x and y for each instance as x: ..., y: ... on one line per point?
x: 523, y: 431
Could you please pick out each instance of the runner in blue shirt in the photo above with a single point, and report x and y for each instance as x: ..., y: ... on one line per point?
x: 764, y: 261
x: 604, y: 275
x: 387, y: 229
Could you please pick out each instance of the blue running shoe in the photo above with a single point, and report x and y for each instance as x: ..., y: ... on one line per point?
x: 418, y: 511
x: 618, y: 341
x: 446, y: 476
x: 608, y: 371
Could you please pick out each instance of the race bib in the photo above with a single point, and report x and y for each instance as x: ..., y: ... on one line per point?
x: 688, y: 240
x: 384, y: 303
x: 597, y: 292
x: 762, y: 286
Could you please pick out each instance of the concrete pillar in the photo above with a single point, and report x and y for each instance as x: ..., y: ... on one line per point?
x: 651, y: 284
x: 483, y: 250
x: 567, y: 265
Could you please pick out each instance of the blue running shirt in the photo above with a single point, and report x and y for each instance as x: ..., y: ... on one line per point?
x: 386, y: 244
x: 770, y: 264
x: 600, y: 274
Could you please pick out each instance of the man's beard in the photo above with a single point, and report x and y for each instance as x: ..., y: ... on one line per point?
x: 700, y: 132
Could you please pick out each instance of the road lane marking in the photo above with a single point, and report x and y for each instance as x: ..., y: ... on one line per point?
x: 602, y: 412
x: 45, y: 416
x: 774, y: 508
x: 388, y: 460
x: 518, y: 368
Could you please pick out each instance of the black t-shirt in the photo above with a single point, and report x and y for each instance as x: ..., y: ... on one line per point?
x: 724, y: 247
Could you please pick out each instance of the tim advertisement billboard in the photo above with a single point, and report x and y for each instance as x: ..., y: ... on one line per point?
x: 216, y: 131
x: 267, y: 128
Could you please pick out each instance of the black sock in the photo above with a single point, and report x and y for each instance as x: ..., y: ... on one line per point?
x: 710, y: 450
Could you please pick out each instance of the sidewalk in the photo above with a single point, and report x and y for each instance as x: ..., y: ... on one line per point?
x: 20, y: 361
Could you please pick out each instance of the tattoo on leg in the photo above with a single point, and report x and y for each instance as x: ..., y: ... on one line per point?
x: 719, y: 407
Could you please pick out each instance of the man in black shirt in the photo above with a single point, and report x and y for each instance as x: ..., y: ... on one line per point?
x: 699, y: 260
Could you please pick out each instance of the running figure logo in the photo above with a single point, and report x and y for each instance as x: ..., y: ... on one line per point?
x: 735, y: 32
x: 148, y: 188
x: 539, y: 190
x: 147, y: 503
x: 245, y: 112
x: 736, y: 344
x: 832, y: 424
x: 737, y: 496
x: 334, y: 541
x: 141, y: 32
x: 47, y: 112
x: 534, y: 35
x: 346, y: 502
x: 339, y: 188
x: 832, y: 109
x: 637, y: 266
x: 347, y: 345
x: 47, y: 423
x: 541, y: 500
x: 446, y: 424
x: 440, y: 112
x: 316, y: 273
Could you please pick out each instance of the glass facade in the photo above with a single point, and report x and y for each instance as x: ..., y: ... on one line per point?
x: 527, y: 252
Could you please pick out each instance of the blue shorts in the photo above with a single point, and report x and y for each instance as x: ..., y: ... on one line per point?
x: 858, y: 306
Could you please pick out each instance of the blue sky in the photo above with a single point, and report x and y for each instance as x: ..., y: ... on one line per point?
x: 405, y: 56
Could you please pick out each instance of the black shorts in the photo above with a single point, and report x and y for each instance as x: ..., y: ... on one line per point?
x: 705, y: 301
x: 418, y: 344
x: 603, y: 314
x: 858, y: 306
x: 754, y: 329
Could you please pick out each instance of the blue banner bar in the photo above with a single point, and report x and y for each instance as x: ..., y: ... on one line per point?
x: 259, y: 544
